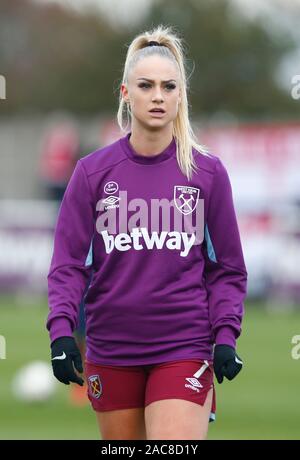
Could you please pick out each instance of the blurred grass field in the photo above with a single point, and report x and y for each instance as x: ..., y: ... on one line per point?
x: 261, y: 403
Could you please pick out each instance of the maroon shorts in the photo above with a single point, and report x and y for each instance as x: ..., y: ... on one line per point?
x: 125, y: 387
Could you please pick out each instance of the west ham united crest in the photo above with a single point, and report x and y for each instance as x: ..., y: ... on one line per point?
x: 95, y: 387
x: 186, y: 198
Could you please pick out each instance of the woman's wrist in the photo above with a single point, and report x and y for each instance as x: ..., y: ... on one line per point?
x: 226, y: 335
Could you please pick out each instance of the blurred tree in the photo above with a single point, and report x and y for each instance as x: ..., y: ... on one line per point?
x: 54, y: 58
x: 234, y: 60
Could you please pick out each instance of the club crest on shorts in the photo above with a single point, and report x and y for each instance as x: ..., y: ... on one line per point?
x: 95, y: 387
x: 186, y: 198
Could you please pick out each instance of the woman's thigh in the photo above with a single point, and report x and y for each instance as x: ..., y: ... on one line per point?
x: 178, y: 419
x: 179, y: 400
x: 117, y: 395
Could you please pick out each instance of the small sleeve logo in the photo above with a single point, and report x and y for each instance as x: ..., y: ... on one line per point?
x: 111, y: 187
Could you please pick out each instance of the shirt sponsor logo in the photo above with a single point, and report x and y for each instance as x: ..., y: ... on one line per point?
x: 140, y: 238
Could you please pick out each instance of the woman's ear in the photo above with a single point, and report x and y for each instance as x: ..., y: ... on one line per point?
x: 124, y: 92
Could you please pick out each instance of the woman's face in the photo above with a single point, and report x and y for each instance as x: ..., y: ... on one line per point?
x: 153, y: 83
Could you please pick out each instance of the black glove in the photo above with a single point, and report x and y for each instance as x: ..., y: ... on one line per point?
x: 64, y: 352
x: 226, y: 362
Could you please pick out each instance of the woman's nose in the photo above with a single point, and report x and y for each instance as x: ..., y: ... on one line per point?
x: 157, y: 95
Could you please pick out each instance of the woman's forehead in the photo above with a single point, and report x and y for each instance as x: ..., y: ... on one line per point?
x: 155, y: 68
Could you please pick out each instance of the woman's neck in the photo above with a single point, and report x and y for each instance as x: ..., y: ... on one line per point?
x: 150, y: 144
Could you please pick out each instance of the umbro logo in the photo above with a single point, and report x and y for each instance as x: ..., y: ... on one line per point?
x: 194, y: 383
x: 110, y: 202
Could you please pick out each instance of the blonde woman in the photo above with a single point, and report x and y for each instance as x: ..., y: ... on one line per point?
x: 151, y: 217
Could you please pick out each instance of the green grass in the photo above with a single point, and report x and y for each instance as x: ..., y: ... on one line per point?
x: 27, y: 340
x: 261, y: 403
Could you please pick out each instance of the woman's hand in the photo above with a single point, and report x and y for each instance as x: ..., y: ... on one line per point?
x: 64, y: 352
x: 226, y: 362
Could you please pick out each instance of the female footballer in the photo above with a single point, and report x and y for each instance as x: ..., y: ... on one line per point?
x: 151, y: 218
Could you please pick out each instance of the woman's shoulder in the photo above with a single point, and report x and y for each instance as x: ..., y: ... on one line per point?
x: 103, y: 157
x: 206, y: 160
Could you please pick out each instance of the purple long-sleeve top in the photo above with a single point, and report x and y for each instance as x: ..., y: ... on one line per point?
x: 157, y: 257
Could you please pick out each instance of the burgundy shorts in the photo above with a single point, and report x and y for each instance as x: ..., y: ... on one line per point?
x: 125, y: 387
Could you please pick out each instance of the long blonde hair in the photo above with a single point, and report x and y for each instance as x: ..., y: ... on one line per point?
x: 182, y: 130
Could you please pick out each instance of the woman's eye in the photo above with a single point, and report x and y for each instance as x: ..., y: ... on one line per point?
x: 146, y: 85
x: 171, y: 86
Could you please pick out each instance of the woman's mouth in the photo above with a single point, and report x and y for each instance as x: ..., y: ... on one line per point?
x: 157, y: 112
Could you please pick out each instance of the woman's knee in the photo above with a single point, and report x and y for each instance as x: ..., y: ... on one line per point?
x: 122, y: 424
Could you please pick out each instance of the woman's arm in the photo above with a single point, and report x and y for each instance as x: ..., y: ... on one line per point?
x: 71, y: 266
x: 225, y: 271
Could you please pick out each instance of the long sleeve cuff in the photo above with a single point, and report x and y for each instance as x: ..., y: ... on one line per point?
x: 226, y: 336
x: 60, y: 327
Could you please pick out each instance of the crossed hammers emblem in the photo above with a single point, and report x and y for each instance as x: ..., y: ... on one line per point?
x: 186, y: 202
x: 95, y: 386
x: 189, y: 203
